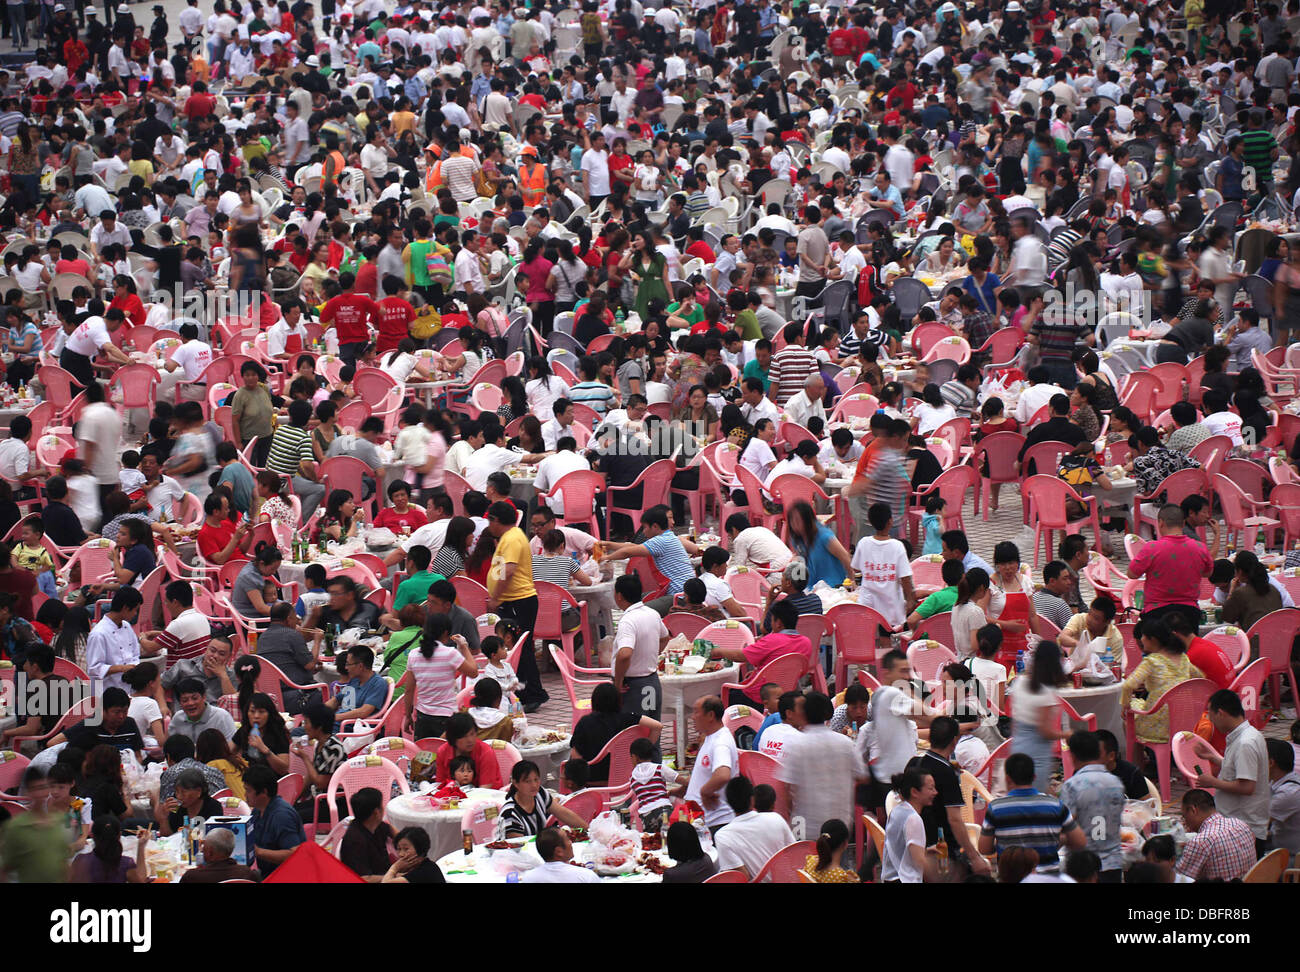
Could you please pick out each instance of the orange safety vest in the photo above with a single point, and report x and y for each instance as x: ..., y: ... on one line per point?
x: 333, y: 168
x: 532, y: 183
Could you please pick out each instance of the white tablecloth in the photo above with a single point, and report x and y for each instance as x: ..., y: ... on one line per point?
x: 1101, y: 700
x: 442, y: 826
x: 600, y: 606
x: 680, y: 693
x: 548, y: 758
x: 478, y: 869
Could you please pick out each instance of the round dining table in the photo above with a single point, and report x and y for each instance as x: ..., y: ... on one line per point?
x: 442, y: 825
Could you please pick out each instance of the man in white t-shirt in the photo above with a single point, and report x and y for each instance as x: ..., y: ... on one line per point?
x: 753, y: 546
x: 99, y: 438
x: 493, y: 457
x: 717, y: 761
x: 1221, y: 421
x: 595, y: 171
x: 91, y: 337
x: 432, y: 535
x: 555, y: 467
x: 886, y: 573
x: 187, y: 364
x: 751, y: 838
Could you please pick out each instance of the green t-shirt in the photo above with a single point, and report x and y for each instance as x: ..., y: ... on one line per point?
x: 414, y: 589
x: 938, y: 602
x: 399, y: 644
x: 750, y: 329
x: 35, y: 849
x: 695, y: 316
x: 752, y: 370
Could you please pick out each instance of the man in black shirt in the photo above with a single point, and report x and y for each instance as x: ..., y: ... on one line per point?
x: 61, y: 524
x: 1058, y: 428
x: 365, y: 843
x: 943, y: 816
x: 1135, y: 784
x: 34, y: 716
x: 114, y: 728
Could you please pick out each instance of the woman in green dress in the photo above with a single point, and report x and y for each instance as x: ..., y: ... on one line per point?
x: 649, y: 270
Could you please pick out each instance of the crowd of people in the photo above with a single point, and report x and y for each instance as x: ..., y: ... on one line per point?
x: 809, y: 258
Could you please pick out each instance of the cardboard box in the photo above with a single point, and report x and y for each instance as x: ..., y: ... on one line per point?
x: 243, y: 830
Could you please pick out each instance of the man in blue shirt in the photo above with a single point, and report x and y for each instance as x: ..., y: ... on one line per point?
x: 1096, y: 797
x: 671, y: 554
x: 1231, y: 170
x: 1028, y: 818
x: 886, y: 195
x: 277, y: 830
x: 363, y: 694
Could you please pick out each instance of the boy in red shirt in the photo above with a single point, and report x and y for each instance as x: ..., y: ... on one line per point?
x: 395, y: 316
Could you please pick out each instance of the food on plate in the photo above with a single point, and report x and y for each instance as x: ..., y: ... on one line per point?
x: 577, y: 834
x: 652, y: 842
x: 651, y: 863
x: 499, y: 845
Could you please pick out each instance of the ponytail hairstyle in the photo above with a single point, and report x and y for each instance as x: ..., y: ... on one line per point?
x: 973, y: 581
x: 247, y: 668
x: 436, y: 627
x: 404, y: 346
x: 1256, y: 574
x: 834, y: 835
x: 988, y: 640
x: 107, y: 834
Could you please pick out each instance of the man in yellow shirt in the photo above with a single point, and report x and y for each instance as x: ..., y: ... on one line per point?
x: 512, y: 594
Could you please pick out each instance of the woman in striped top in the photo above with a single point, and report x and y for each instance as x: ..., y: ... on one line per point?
x: 554, y: 565
x: 529, y: 804
x: 455, y: 547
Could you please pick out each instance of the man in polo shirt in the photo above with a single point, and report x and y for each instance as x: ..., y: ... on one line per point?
x: 196, y: 714
x: 114, y: 729
x: 751, y: 838
x: 944, y: 814
x: 1027, y: 818
x: 641, y: 635
x: 510, y: 586
x: 1096, y: 798
x: 113, y: 647
x: 577, y: 543
x: 1240, y: 778
x: 188, y: 634
x: 277, y: 830
x: 420, y: 578
x: 671, y: 554
x: 212, y: 668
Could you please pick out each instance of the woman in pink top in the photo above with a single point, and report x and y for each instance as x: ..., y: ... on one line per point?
x: 429, y: 685
x: 541, y: 288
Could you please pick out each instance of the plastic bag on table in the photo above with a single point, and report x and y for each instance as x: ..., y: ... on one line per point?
x: 609, y: 834
x: 506, y: 861
x: 679, y: 643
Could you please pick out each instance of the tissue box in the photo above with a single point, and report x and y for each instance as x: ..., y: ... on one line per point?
x: 242, y: 827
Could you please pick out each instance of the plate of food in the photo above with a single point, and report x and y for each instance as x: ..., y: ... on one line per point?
x: 612, y: 863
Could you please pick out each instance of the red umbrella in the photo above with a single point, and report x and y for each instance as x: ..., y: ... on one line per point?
x: 312, y: 864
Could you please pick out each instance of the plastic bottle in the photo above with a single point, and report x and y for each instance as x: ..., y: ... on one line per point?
x: 186, y: 842
x: 1020, y: 662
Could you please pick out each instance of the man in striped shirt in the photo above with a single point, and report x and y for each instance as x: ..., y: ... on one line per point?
x: 292, y: 455
x: 1261, y: 151
x: 1027, y: 818
x: 791, y: 366
x: 188, y: 634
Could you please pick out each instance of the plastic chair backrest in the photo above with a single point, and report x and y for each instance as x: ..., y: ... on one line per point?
x: 687, y: 625
x: 1249, y: 686
x: 1000, y: 451
x: 727, y: 634
x: 783, y: 866
x: 362, y: 771
x: 926, y: 658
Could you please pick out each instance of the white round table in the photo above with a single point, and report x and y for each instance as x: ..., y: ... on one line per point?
x: 1101, y: 701
x: 478, y: 868
x: 680, y: 693
x: 442, y: 826
x: 548, y: 757
x: 600, y: 607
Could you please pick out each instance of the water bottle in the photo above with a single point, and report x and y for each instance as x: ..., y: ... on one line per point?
x: 1020, y: 662
x: 512, y: 877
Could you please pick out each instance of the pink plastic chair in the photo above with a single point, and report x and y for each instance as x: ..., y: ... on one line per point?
x: 137, y: 383
x: 730, y: 877
x: 618, y: 752
x: 1045, y: 496
x: 1002, y: 346
x: 481, y: 826
x: 13, y: 765
x: 1069, y: 716
x: 1185, y: 703
x: 655, y: 482
x: 927, y: 573
x: 855, y: 628
x: 94, y: 559
x: 1274, y: 634
x: 589, y: 803
x: 395, y: 749
x: 578, y: 490
x: 487, y: 398
x: 507, y: 756
x: 951, y: 484
x: 783, y: 867
x: 736, y: 717
x: 926, y: 658
x: 1192, y: 753
x: 1211, y: 452
x: 362, y: 771
x: 951, y: 348
x: 727, y: 634
x: 1234, y: 643
x: 938, y: 627
x: 1249, y: 686
x: 456, y: 487
x: 551, y: 600
x: 571, y: 675
x: 1176, y: 487
x: 853, y: 406
x: 987, y: 770
x: 58, y: 385
x: 270, y: 680
x: 346, y: 472
x: 1171, y: 377
x: 784, y: 670
x: 351, y: 415
x: 789, y: 488
x: 688, y: 626
x: 1242, y: 514
x: 999, y: 450
x: 1141, y: 394
x: 926, y: 336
